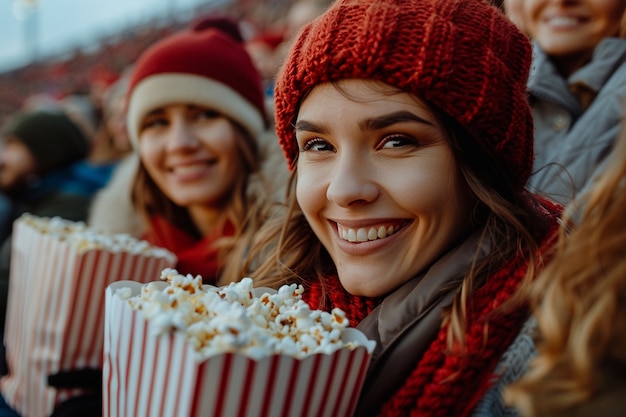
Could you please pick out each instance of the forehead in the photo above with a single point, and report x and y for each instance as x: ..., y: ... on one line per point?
x: 368, y: 93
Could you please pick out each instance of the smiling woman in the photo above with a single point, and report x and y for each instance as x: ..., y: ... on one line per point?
x: 359, y: 174
x: 195, y: 116
x: 577, y: 90
x: 407, y: 206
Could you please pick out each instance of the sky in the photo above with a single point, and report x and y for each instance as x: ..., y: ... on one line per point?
x: 43, y: 28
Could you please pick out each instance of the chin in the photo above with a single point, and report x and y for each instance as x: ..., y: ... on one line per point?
x: 359, y: 290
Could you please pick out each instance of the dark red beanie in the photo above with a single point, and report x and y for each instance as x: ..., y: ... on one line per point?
x: 205, y: 65
x: 462, y: 56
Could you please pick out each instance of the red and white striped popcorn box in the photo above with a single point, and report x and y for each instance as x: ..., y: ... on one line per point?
x: 55, y: 310
x: 148, y: 375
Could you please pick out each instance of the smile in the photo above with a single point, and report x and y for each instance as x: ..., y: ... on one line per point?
x: 192, y: 168
x: 188, y: 169
x: 366, y: 234
x: 563, y: 21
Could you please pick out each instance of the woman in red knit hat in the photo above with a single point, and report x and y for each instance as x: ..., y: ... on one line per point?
x: 407, y: 130
x: 196, y: 117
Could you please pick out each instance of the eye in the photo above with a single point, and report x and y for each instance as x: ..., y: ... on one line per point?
x: 396, y: 141
x: 316, y: 145
x: 153, y: 122
x: 207, y: 114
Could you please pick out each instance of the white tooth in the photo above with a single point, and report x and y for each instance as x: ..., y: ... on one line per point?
x: 361, y: 235
x: 344, y: 234
x: 351, y: 235
x: 372, y: 234
x: 189, y: 169
x: 563, y: 21
x: 390, y: 231
x: 382, y: 232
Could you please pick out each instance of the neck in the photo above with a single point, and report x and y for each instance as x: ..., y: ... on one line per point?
x: 567, y: 65
x: 206, y: 219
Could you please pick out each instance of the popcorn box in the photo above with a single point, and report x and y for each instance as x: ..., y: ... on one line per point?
x: 55, y: 311
x: 149, y: 375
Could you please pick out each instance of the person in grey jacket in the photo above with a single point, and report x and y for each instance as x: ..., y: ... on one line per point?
x: 576, y: 87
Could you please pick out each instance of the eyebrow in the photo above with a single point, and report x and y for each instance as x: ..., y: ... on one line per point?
x: 373, y: 123
x: 381, y: 122
x: 310, y: 127
x: 158, y: 110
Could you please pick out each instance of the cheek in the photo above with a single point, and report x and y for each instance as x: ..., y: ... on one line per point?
x: 310, y: 190
x: 528, y: 10
x: 426, y: 186
x: 225, y: 146
x: 150, y: 156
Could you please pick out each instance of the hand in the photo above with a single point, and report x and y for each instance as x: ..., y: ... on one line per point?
x: 86, y: 405
x: 87, y: 378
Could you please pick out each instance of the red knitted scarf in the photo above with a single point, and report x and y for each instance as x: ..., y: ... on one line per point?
x: 195, y: 256
x: 445, y: 384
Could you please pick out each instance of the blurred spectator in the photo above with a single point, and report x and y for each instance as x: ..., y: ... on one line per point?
x: 576, y: 89
x: 40, y: 152
x: 300, y: 13
x: 112, y: 145
x: 579, y: 302
x: 111, y: 142
x: 199, y: 126
x: 82, y: 110
x: 262, y: 48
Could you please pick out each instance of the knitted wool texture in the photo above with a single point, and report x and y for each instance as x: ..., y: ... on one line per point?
x: 206, y: 65
x: 462, y: 56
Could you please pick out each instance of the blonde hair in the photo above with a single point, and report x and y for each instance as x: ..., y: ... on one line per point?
x: 579, y: 301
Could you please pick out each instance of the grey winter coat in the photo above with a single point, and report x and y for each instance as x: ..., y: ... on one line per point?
x: 571, y: 143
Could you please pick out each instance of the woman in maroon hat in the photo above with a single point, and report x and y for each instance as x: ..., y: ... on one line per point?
x: 196, y: 118
x: 406, y: 126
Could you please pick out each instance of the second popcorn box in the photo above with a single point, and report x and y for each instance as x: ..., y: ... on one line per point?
x: 55, y: 310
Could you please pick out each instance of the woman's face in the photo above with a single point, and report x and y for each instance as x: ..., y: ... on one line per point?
x: 16, y: 164
x: 191, y: 153
x: 569, y: 30
x: 377, y: 182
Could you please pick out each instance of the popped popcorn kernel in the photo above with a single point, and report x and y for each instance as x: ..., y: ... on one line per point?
x: 233, y: 319
x: 84, y: 238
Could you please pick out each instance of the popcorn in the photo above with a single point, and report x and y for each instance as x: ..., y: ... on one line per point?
x: 232, y: 351
x: 84, y: 238
x: 233, y: 319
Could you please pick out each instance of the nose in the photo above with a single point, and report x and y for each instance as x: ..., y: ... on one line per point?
x: 352, y: 181
x: 182, y: 136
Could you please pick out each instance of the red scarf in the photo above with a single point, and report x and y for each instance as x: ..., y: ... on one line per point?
x: 195, y: 256
x: 444, y: 384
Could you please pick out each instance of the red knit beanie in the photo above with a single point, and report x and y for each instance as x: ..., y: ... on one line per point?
x: 462, y: 56
x: 205, y: 65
